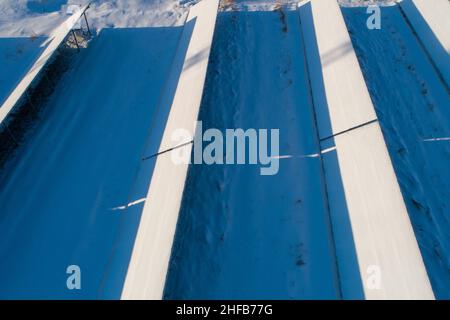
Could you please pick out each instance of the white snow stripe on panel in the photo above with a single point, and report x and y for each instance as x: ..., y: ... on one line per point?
x: 347, y: 101
x: 151, y: 253
x: 382, y: 232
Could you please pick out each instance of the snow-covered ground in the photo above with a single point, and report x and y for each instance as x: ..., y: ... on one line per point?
x: 28, y: 17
